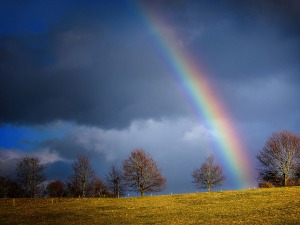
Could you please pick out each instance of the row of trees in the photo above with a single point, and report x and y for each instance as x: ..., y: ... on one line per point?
x: 279, y: 165
x: 140, y: 173
x: 31, y: 181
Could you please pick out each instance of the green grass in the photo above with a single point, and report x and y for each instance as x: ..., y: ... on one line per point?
x: 257, y: 206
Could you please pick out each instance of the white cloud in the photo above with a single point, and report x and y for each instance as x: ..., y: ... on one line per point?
x: 9, y: 154
x: 46, y: 156
x: 158, y: 137
x: 196, y: 133
x: 178, y: 144
x: 10, y: 157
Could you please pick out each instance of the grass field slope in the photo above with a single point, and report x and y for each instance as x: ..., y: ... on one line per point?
x: 256, y: 206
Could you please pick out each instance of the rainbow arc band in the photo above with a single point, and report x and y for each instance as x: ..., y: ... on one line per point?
x: 201, y: 97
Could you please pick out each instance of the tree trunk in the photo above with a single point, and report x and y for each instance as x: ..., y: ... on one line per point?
x: 285, y: 180
x: 142, y: 192
x: 208, y: 188
x: 83, y: 190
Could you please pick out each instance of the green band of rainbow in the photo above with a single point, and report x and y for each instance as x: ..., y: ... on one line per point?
x: 204, y: 100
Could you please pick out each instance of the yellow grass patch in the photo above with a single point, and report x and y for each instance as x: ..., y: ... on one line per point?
x: 257, y: 206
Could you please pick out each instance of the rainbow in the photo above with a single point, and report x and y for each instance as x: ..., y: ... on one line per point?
x: 202, y: 98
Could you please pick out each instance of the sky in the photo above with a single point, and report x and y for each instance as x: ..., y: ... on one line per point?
x: 95, y: 78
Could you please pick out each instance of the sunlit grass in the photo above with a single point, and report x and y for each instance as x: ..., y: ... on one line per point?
x: 258, y: 206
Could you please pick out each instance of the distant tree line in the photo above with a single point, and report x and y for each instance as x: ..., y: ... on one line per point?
x: 140, y: 173
x: 279, y: 165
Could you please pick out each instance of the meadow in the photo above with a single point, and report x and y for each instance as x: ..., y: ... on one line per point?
x: 255, y: 206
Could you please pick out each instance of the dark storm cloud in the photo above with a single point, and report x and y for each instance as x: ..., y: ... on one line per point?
x: 240, y: 40
x: 93, y: 75
x: 95, y: 63
x: 250, y: 50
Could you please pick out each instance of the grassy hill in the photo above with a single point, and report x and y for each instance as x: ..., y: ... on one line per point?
x: 257, y: 206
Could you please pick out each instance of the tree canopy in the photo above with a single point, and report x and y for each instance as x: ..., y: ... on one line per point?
x: 142, y: 174
x: 279, y: 159
x: 208, y: 175
x: 30, y: 175
x: 82, y: 176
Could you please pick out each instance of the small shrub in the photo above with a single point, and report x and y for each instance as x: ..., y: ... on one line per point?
x: 266, y: 185
x: 294, y: 182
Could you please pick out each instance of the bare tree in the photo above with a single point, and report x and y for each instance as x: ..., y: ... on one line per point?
x: 56, y: 188
x: 142, y: 174
x: 115, y: 181
x: 96, y: 188
x: 209, y: 174
x: 5, y: 186
x: 9, y: 188
x: 30, y: 175
x: 82, y: 176
x: 279, y: 158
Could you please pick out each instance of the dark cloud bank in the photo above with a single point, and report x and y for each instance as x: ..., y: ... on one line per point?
x: 94, y: 68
